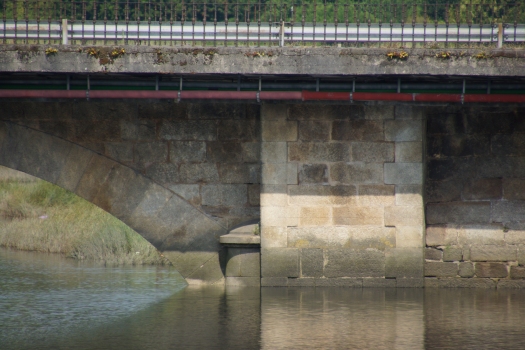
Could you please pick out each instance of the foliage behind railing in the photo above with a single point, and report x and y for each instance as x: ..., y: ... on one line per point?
x: 453, y: 12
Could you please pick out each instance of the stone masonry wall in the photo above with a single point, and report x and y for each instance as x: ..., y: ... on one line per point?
x: 341, y: 195
x: 475, y: 197
x: 207, y: 153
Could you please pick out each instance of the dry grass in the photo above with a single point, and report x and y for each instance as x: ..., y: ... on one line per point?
x: 39, y: 216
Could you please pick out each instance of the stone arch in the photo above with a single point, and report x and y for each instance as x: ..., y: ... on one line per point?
x: 184, y: 234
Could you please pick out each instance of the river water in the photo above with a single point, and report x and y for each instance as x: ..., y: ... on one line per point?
x: 48, y: 302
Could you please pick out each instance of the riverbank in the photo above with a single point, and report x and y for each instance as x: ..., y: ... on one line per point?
x: 38, y: 216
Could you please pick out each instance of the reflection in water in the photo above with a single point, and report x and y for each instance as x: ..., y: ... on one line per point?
x: 47, y: 302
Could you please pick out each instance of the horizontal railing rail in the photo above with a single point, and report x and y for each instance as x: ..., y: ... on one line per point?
x: 457, y: 22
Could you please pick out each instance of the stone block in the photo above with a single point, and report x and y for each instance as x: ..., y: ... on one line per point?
x: 76, y: 162
x: 223, y: 152
x: 376, y: 195
x: 279, y: 130
x: 452, y: 253
x: 315, y: 195
x: 466, y: 269
x: 433, y: 254
x: 274, y: 282
x: 372, y: 152
x: 443, y: 191
x: 403, y: 130
x: 292, y: 174
x: 188, y: 151
x: 480, y: 283
x: 96, y: 173
x: 491, y: 270
x: 410, y: 195
x: 325, y: 112
x: 251, y: 151
x: 404, y: 262
x: 357, y: 173
x: 312, y: 262
x: 313, y: 152
x: 151, y: 152
x: 273, y: 236
x: 314, y: 130
x: 404, y: 216
x: 409, y: 152
x: 238, y: 130
x: 274, y: 174
x: 443, y: 169
x: 233, y: 262
x: 466, y: 254
x: 239, y: 173
x: 371, y: 237
x: 97, y: 131
x: 280, y: 262
x: 441, y: 269
x: 357, y: 130
x: 493, y: 253
x: 315, y: 216
x: 164, y: 108
x: 319, y: 237
x: 191, y: 193
x: 224, y: 195
x: 251, y: 263
x: 301, y: 282
x: 458, y: 145
x: 505, y: 211
x: 163, y: 173
x: 274, y: 152
x: 517, y: 272
x: 441, y: 235
x: 482, y: 189
x: 490, y: 234
x: 379, y: 112
x: 354, y: 263
x: 459, y: 213
x: 270, y: 111
x: 273, y: 216
x: 409, y: 236
x: 378, y: 282
x: 243, y: 281
x: 119, y: 151
x: 358, y: 216
x: 339, y: 282
x: 409, y: 112
x: 508, y: 145
x: 511, y: 284
x: 199, y: 172
x: 188, y: 130
x: 514, y: 189
x: 274, y: 195
x: 313, y: 173
x: 410, y: 282
x: 515, y: 233
x: 403, y: 173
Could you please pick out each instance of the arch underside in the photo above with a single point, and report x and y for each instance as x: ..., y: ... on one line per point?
x: 184, y: 234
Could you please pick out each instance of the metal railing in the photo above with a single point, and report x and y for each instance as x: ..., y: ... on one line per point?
x: 457, y: 23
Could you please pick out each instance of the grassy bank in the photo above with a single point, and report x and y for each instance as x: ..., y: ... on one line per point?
x: 38, y: 216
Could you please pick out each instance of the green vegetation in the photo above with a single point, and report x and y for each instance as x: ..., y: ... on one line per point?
x: 39, y: 216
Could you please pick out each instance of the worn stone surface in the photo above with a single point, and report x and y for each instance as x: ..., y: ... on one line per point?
x: 511, y: 284
x: 481, y: 283
x: 482, y: 189
x: 466, y: 269
x: 377, y: 282
x: 312, y: 152
x: 452, y: 253
x: 312, y: 262
x: 357, y: 130
x: 493, y: 253
x: 404, y: 262
x: 357, y: 173
x: 491, y: 270
x: 314, y: 130
x: 433, y: 254
x: 403, y: 216
x: 354, y: 263
x: 458, y: 213
x: 339, y: 282
x: 313, y: 173
x: 517, y: 272
x: 403, y: 130
x: 372, y: 152
x: 280, y: 262
x: 403, y: 173
x: 409, y: 152
x: 441, y: 269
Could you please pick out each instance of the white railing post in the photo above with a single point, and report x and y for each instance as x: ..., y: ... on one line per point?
x: 500, y: 35
x: 65, y: 33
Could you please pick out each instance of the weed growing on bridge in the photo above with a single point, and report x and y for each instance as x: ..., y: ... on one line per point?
x: 51, y: 51
x: 39, y: 216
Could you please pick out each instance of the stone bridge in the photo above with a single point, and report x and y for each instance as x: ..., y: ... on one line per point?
x: 361, y: 194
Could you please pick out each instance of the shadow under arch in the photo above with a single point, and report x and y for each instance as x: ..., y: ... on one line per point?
x: 185, y: 235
